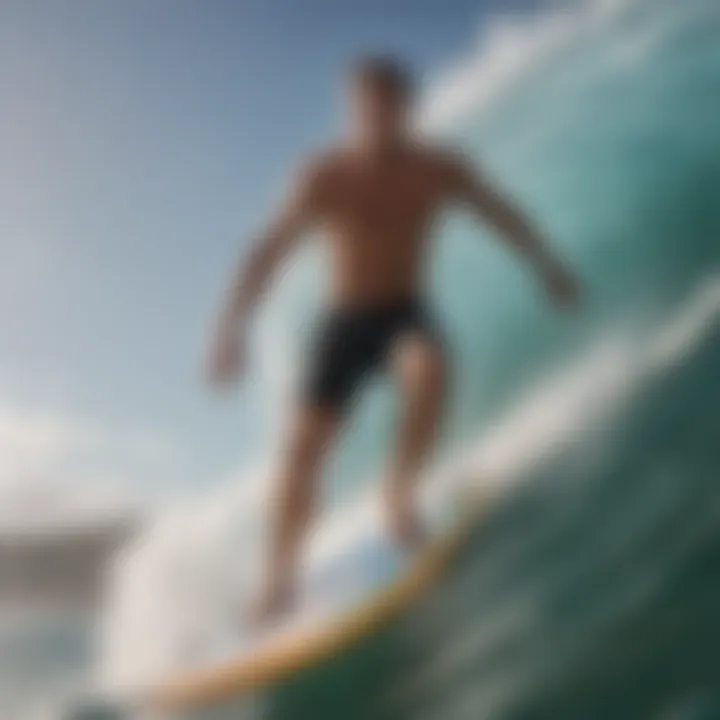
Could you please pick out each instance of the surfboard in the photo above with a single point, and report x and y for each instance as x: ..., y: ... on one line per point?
x: 351, y: 594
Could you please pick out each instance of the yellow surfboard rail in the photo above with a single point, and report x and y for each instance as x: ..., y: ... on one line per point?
x: 282, y: 657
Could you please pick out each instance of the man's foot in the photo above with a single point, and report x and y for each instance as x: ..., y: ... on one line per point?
x: 274, y: 602
x: 405, y: 525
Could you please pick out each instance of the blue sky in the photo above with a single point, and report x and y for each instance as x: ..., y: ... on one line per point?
x: 141, y: 141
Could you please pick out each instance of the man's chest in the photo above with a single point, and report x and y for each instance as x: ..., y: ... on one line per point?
x: 395, y: 196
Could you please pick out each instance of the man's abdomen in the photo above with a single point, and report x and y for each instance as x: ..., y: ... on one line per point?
x: 377, y: 273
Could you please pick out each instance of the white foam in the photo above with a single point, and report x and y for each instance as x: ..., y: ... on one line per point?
x: 506, y: 54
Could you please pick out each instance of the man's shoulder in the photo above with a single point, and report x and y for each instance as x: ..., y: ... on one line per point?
x: 442, y: 162
x: 325, y: 161
x: 441, y: 157
x: 320, y: 169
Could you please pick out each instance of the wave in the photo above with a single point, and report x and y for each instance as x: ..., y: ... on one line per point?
x: 180, y: 588
x: 505, y: 55
x: 597, y: 118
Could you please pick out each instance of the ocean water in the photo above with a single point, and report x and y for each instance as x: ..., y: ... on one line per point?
x: 591, y: 590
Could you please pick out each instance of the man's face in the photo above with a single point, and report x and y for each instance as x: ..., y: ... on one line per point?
x: 377, y: 112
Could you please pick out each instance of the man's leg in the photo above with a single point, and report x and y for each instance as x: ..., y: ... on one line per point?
x: 310, y: 434
x: 419, y: 366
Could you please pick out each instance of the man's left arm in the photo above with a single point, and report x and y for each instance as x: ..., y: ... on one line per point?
x: 471, y: 189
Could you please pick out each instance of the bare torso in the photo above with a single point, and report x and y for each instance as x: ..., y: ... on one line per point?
x: 376, y: 214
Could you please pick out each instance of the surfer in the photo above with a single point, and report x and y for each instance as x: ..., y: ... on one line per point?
x: 373, y: 197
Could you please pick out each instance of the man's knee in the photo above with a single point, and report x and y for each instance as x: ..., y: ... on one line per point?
x: 421, y: 365
x: 310, y: 435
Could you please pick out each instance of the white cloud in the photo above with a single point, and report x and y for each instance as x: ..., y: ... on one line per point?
x: 56, y: 468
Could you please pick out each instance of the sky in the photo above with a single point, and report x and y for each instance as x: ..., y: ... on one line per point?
x: 141, y: 143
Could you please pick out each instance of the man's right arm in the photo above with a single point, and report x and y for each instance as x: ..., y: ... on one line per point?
x: 253, y: 274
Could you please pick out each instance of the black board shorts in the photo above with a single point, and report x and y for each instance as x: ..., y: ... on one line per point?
x: 350, y: 343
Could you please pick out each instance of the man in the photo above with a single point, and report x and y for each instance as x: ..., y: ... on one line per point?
x: 374, y: 197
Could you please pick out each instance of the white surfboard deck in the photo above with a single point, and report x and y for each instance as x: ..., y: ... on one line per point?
x: 346, y: 593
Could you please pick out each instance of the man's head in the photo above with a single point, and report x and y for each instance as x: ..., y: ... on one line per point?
x: 381, y: 95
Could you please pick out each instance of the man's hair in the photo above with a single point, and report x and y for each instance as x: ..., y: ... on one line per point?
x: 384, y: 72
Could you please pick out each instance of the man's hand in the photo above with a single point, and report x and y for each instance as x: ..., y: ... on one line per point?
x: 561, y: 286
x: 226, y: 355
